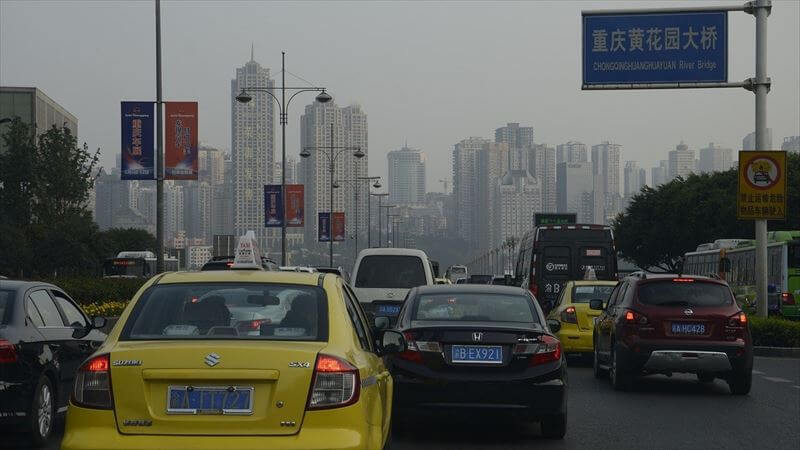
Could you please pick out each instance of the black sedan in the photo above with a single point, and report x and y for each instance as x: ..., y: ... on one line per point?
x: 44, y: 337
x: 472, y: 346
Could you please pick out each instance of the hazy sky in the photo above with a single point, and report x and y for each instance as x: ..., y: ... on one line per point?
x: 431, y: 73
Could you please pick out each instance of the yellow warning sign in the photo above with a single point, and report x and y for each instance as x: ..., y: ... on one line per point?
x: 762, y: 186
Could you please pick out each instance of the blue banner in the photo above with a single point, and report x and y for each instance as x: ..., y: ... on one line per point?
x: 635, y: 48
x: 137, y: 160
x: 273, y: 205
x: 324, y: 227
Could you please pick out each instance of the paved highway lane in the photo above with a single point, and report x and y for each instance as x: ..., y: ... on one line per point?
x: 661, y: 412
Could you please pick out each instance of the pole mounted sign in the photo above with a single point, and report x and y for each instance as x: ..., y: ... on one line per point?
x: 762, y: 186
x: 632, y: 48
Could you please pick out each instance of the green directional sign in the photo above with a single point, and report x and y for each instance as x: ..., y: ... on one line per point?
x: 555, y: 219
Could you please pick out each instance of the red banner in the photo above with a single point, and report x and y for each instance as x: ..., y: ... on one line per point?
x: 294, y: 205
x: 338, y: 226
x: 180, y: 143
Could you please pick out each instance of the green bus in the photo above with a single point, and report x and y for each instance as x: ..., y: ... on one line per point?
x: 783, y: 270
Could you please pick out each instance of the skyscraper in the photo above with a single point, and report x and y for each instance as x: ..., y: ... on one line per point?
x: 515, y: 136
x: 542, y: 165
x: 349, y: 130
x: 715, y: 159
x: 406, y: 176
x: 633, y: 178
x: 605, y: 168
x: 465, y: 192
x: 517, y: 196
x: 574, y: 181
x: 252, y: 152
x: 571, y: 152
x: 491, y: 165
x: 681, y: 162
x: 658, y: 174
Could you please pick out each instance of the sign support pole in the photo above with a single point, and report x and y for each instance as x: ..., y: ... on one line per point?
x: 159, y: 150
x: 761, y: 9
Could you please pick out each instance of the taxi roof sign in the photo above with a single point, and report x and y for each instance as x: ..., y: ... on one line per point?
x: 248, y: 255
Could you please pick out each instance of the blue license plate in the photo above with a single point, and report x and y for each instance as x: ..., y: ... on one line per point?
x: 210, y: 400
x: 484, y: 354
x: 688, y: 328
x: 388, y: 310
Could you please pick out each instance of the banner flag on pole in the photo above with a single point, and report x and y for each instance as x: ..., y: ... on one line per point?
x: 273, y: 205
x: 324, y: 227
x: 338, y: 226
x: 180, y: 143
x: 294, y: 205
x: 137, y: 159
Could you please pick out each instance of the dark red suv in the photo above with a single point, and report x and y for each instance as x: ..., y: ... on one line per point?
x: 661, y: 323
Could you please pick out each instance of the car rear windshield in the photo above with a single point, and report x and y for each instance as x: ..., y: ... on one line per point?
x: 587, y: 292
x: 6, y: 305
x: 229, y: 311
x: 481, y: 307
x: 684, y: 293
x: 390, y: 271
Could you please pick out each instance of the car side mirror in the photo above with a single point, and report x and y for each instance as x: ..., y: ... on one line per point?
x: 596, y: 304
x: 392, y: 342
x: 381, y: 323
x: 98, y: 322
x: 554, y: 325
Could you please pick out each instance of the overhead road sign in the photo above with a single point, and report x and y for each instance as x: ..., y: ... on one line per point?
x: 762, y: 186
x: 635, y: 49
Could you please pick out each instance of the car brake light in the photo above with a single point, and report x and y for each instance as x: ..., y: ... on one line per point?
x: 568, y: 315
x: 549, y: 350
x: 534, y: 289
x: 635, y: 318
x: 336, y: 383
x: 8, y: 353
x: 683, y: 280
x: 229, y: 264
x: 93, y: 384
x: 787, y: 298
x: 737, y: 320
x: 411, y: 353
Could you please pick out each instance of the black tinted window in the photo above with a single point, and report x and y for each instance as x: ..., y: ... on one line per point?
x: 474, y: 307
x: 230, y: 311
x: 390, y: 271
x: 44, y: 304
x: 74, y: 316
x: 684, y: 293
x: 6, y: 305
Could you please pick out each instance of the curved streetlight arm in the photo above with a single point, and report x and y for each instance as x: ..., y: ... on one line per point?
x: 288, y: 102
x: 267, y: 90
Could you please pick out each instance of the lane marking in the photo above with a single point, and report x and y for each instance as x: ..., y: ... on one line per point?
x: 777, y: 380
x: 758, y: 372
x: 796, y: 387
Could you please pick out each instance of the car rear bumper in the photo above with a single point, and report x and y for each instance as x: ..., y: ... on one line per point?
x: 15, y: 401
x: 660, y: 356
x: 97, y: 429
x: 542, y: 399
x: 574, y: 340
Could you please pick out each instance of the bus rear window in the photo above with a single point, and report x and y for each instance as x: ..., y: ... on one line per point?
x: 575, y: 235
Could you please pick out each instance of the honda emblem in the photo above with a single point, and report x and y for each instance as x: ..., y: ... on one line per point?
x: 477, y: 336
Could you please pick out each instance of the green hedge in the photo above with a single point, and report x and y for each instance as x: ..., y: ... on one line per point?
x: 99, y: 290
x: 774, y: 332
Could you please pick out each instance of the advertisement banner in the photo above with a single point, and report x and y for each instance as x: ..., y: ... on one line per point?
x: 324, y: 227
x: 294, y: 205
x: 180, y: 143
x: 338, y: 226
x: 273, y: 205
x: 138, y: 162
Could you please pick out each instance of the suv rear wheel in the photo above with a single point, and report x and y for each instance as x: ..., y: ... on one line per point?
x: 599, y: 372
x: 740, y: 382
x: 621, y: 380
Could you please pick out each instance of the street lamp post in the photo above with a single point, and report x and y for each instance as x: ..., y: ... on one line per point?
x: 283, y: 105
x: 332, y: 152
x: 380, y: 221
x: 357, y: 183
x: 394, y: 227
x: 369, y: 215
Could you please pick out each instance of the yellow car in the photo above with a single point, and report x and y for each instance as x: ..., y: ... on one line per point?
x: 442, y: 281
x: 572, y: 310
x: 235, y: 359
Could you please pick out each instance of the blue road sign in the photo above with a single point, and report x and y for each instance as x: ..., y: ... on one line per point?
x: 655, y: 48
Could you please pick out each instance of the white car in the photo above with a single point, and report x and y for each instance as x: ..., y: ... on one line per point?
x: 383, y: 276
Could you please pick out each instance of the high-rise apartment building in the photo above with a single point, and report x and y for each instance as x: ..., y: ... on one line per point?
x: 633, y: 179
x: 349, y: 130
x: 515, y: 136
x: 714, y: 159
x: 791, y: 144
x: 658, y: 174
x: 574, y: 182
x: 174, y: 209
x: 605, y: 168
x: 542, y: 165
x: 571, y: 152
x: 492, y: 164
x: 223, y: 213
x: 406, y: 176
x: 465, y: 189
x: 252, y: 152
x: 749, y: 141
x: 34, y: 108
x: 681, y: 162
x: 517, y: 196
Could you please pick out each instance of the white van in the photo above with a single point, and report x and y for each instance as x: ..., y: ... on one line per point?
x: 382, y: 277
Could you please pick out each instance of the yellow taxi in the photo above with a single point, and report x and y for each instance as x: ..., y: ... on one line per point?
x: 235, y: 359
x: 577, y: 319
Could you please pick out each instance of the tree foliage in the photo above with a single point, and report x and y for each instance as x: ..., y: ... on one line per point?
x: 116, y: 240
x: 662, y: 224
x: 45, y: 227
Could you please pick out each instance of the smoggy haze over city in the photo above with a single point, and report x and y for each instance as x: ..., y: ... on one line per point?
x: 430, y: 74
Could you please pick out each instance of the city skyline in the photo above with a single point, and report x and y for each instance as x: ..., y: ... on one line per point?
x: 548, y: 98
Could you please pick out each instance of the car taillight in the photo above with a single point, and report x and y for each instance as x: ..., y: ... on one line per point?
x: 787, y: 298
x: 534, y: 289
x: 411, y: 353
x: 737, y: 320
x: 683, y: 280
x: 336, y: 383
x: 635, y: 318
x: 549, y: 350
x: 568, y: 315
x: 8, y: 353
x: 93, y: 384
